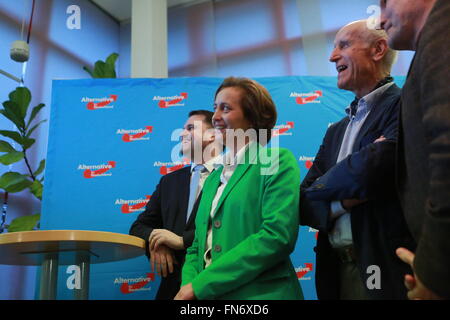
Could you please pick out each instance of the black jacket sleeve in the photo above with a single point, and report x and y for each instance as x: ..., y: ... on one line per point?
x: 150, y: 219
x: 432, y: 261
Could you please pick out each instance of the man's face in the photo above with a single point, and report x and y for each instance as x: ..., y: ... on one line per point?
x: 352, y: 56
x: 399, y: 19
x: 194, y: 137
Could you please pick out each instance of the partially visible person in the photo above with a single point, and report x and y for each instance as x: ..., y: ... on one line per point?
x: 247, y: 221
x: 168, y: 222
x: 423, y: 154
x: 349, y: 192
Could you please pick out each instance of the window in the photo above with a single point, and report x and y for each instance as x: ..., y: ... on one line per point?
x: 258, y: 38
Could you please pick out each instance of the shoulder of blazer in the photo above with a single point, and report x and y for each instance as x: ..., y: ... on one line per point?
x: 338, y: 124
x: 285, y: 153
x: 392, y: 95
x: 389, y: 102
x: 172, y: 177
x: 337, y: 128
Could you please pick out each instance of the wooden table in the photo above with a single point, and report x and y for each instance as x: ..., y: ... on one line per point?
x: 52, y: 248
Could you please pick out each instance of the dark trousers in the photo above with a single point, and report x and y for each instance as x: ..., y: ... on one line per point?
x: 351, y: 285
x: 169, y: 287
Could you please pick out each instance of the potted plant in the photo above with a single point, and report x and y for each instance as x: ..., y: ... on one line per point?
x: 104, y: 69
x: 15, y: 110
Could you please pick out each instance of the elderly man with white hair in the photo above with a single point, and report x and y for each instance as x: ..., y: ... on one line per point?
x: 349, y: 192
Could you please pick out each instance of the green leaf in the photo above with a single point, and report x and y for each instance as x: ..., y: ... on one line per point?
x: 36, y: 189
x: 109, y: 72
x: 26, y: 223
x: 21, y: 96
x: 12, y: 113
x: 27, y: 142
x: 40, y: 168
x: 34, y: 112
x: 6, y: 147
x: 88, y: 71
x: 34, y: 127
x: 13, y: 135
x: 111, y: 60
x: 104, y: 69
x: 99, y: 69
x: 14, y: 182
x: 11, y: 157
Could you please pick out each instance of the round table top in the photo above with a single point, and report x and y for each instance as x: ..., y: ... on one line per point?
x: 32, y: 247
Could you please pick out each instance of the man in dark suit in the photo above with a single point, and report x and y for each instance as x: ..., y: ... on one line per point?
x: 423, y: 154
x: 168, y: 222
x: 348, y: 194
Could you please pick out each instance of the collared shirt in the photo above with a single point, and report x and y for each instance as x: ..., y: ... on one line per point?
x: 210, y: 165
x: 341, y: 234
x: 229, y: 166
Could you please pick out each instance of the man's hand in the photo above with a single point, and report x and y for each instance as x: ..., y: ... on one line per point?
x: 380, y: 139
x: 186, y: 293
x: 164, y: 260
x: 165, y: 237
x: 416, y: 289
x: 347, y: 204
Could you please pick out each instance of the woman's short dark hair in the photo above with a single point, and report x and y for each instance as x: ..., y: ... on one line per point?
x: 256, y: 102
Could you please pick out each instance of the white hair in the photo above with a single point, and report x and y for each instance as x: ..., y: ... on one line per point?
x: 372, y: 35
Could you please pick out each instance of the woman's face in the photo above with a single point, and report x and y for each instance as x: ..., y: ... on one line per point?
x: 228, y: 113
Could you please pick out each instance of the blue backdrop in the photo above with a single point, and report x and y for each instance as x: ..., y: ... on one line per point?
x: 110, y: 141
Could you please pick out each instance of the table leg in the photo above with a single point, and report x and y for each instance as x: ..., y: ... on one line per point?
x: 49, y: 277
x: 83, y: 261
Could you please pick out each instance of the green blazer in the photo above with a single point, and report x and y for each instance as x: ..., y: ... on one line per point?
x: 254, y: 229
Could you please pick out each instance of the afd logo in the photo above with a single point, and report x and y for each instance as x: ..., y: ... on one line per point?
x: 282, y: 129
x: 130, y: 285
x: 135, y: 135
x: 305, y: 98
x: 302, y: 271
x: 94, y: 171
x: 172, y: 101
x: 308, y: 161
x: 99, y: 103
x: 131, y: 206
x: 168, y: 167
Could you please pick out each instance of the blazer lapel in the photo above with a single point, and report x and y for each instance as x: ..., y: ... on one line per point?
x: 338, y: 139
x: 209, y: 191
x: 238, y: 173
x: 375, y: 113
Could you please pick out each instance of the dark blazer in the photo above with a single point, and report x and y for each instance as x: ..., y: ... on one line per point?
x: 424, y: 151
x: 378, y: 226
x: 167, y: 209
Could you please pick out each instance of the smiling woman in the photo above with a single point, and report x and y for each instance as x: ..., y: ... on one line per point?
x: 247, y: 219
x: 242, y: 103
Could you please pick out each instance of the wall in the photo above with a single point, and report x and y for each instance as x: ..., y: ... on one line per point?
x: 55, y: 53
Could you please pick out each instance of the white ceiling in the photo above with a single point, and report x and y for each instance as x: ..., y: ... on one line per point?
x: 121, y: 9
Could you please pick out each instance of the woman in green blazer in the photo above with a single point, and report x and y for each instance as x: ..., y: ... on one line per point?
x: 247, y: 220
